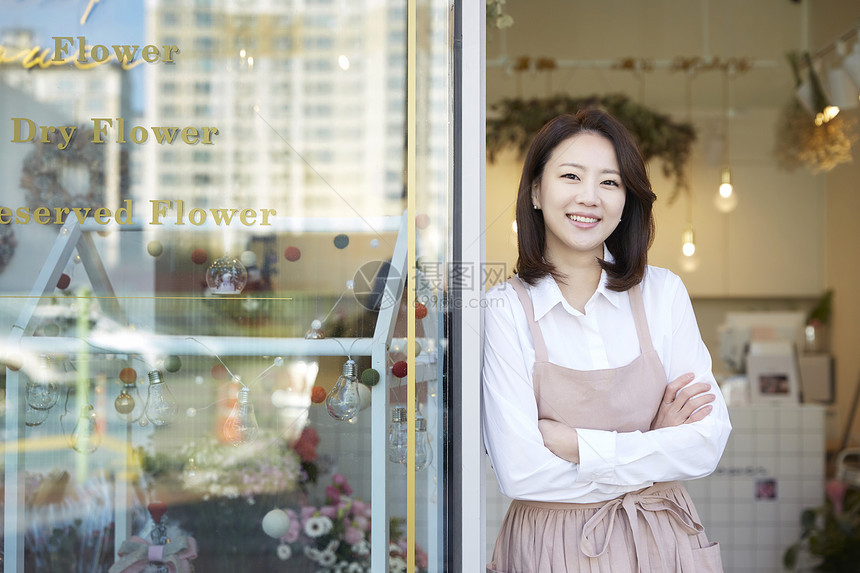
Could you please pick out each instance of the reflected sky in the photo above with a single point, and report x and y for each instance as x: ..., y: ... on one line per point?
x: 109, y: 21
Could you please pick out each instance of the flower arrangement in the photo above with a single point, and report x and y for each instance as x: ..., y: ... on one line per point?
x: 215, y: 491
x: 265, y: 466
x: 335, y: 536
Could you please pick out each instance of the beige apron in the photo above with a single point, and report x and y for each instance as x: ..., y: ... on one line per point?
x: 652, y: 530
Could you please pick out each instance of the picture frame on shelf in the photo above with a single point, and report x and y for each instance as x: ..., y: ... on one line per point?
x: 773, y: 379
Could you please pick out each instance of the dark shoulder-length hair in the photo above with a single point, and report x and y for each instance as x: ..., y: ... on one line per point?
x: 630, y: 241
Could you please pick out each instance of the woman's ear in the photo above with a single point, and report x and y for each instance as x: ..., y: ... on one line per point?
x: 536, y: 195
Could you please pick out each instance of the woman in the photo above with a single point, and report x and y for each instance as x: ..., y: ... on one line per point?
x: 580, y: 424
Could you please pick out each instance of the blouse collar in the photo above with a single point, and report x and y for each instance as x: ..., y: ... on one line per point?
x: 546, y: 294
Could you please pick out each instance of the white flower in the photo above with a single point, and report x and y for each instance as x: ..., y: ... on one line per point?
x: 284, y: 552
x: 361, y: 548
x: 393, y: 548
x: 354, y: 568
x: 317, y: 526
x: 312, y: 553
x: 327, y: 558
x: 397, y: 565
x: 332, y: 545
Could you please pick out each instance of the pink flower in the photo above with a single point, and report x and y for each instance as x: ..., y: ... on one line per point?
x: 353, y: 535
x: 312, y: 435
x: 329, y: 511
x: 292, y: 533
x: 420, y: 557
x: 308, y: 512
x: 306, y: 451
x: 836, y: 492
x: 360, y: 508
x: 306, y: 445
x: 341, y: 480
x: 362, y: 522
x: 332, y: 493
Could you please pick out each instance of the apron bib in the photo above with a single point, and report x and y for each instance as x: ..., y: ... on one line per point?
x: 652, y: 530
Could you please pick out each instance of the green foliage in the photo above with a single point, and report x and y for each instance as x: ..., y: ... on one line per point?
x: 821, y: 312
x: 517, y: 121
x: 833, y: 539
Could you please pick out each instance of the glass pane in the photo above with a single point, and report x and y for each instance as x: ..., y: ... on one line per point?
x: 203, y: 262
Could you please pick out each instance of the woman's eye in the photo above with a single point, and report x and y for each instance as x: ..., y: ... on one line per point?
x: 612, y: 183
x: 571, y: 176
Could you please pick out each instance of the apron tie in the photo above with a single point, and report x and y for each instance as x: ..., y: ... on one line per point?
x: 633, y: 503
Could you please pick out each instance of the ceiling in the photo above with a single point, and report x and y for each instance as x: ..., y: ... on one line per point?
x: 576, y: 31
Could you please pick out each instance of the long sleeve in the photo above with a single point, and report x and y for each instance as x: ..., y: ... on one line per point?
x: 525, y: 468
x: 687, y: 451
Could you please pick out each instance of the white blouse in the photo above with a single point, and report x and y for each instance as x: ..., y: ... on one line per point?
x: 611, y: 463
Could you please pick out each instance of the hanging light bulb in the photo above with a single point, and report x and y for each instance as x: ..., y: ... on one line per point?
x: 315, y: 332
x: 423, y: 452
x: 397, y: 436
x: 726, y: 184
x: 726, y: 199
x: 85, y: 438
x: 226, y: 275
x: 343, y: 400
x: 33, y: 416
x: 128, y: 405
x: 42, y: 394
x: 161, y: 408
x: 827, y: 114
x: 688, y: 241
x: 190, y: 473
x: 241, y: 425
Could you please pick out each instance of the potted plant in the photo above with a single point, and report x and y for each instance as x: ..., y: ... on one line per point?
x: 830, y: 533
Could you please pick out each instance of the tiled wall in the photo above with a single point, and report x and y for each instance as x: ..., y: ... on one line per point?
x: 773, y: 450
x: 784, y: 444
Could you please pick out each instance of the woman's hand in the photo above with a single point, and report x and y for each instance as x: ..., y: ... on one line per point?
x: 560, y: 439
x: 679, y: 403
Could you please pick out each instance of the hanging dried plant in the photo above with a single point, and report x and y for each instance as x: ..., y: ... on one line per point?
x: 816, y: 147
x: 515, y: 122
x: 804, y: 141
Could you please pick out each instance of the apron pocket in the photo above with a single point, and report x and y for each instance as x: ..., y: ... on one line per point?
x: 707, y: 559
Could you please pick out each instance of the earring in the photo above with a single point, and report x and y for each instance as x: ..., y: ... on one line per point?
x: 535, y: 207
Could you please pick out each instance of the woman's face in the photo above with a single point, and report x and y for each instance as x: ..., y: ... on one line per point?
x: 581, y: 196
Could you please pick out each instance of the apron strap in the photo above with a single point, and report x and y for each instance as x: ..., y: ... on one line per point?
x: 639, y: 318
x: 537, y: 337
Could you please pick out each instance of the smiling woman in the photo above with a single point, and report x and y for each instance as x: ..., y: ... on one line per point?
x: 580, y: 419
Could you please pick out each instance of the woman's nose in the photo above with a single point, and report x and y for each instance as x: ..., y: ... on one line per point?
x: 586, y: 194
